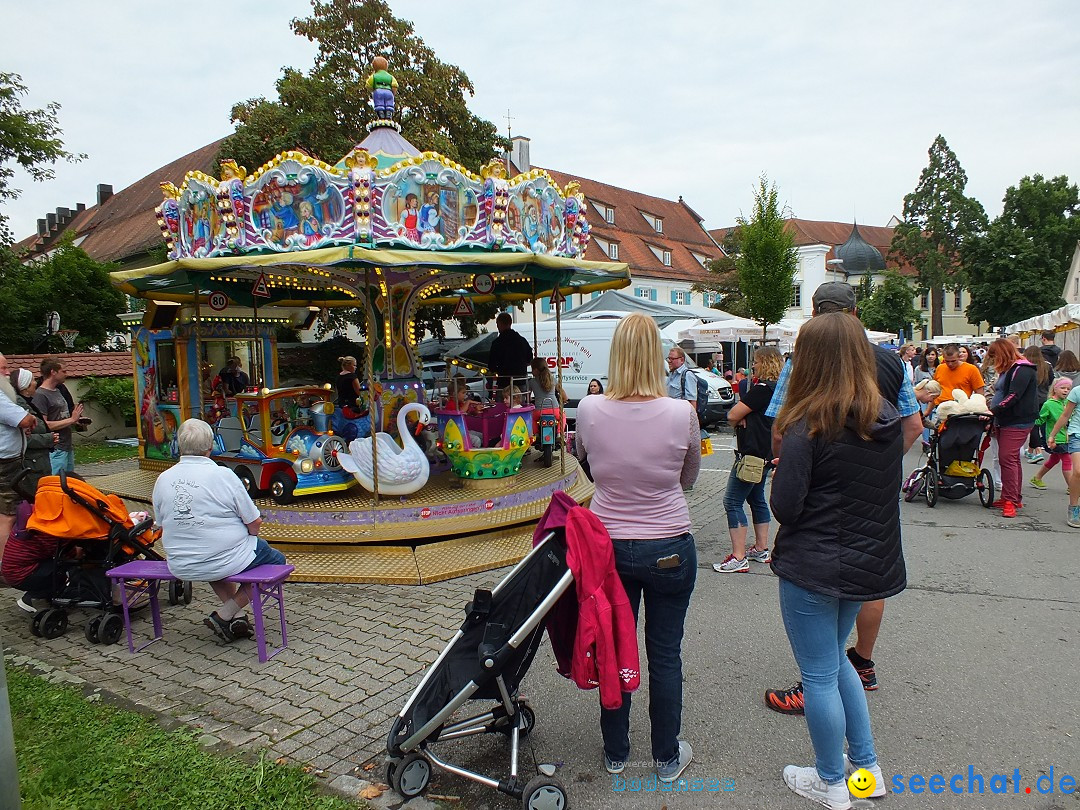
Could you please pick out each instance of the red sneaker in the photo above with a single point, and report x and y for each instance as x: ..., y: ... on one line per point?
x: 1008, y: 510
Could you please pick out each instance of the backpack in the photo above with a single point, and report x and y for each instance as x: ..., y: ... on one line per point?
x: 702, y: 393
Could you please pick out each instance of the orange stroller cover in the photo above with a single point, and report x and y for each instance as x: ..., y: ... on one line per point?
x: 58, y: 515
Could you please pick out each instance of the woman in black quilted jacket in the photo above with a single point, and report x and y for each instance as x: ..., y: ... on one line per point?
x: 835, y: 495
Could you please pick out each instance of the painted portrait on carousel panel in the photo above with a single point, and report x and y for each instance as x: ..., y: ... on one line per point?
x: 201, y: 224
x: 306, y: 210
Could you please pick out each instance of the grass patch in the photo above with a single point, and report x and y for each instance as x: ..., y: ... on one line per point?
x: 94, y: 452
x: 73, y: 753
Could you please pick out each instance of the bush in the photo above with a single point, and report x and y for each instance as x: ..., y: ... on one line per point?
x: 115, y: 394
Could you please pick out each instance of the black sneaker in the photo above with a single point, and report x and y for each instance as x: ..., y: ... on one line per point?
x: 865, y: 668
x: 786, y: 701
x: 240, y: 627
x: 220, y: 627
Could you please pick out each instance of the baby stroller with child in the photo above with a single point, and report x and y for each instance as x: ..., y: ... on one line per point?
x: 953, y: 467
x: 486, y: 661
x: 72, y: 534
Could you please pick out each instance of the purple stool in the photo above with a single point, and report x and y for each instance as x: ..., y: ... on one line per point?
x: 152, y: 573
x: 267, y: 582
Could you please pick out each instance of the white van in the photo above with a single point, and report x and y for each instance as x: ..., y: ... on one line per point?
x: 586, y: 345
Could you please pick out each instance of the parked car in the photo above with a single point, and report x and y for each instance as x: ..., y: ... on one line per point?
x: 280, y: 442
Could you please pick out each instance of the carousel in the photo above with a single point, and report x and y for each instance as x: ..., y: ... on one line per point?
x: 399, y: 489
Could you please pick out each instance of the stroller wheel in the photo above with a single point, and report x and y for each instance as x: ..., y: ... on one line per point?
x: 985, y: 484
x: 529, y: 716
x: 91, y: 629
x: 931, y: 490
x: 179, y: 591
x: 110, y: 629
x: 35, y: 622
x: 410, y: 776
x: 54, y: 623
x: 544, y: 793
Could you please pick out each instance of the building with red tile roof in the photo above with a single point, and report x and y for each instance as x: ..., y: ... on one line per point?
x: 821, y: 242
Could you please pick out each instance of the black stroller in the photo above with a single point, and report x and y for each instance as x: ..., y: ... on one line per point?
x: 88, y: 533
x: 486, y: 660
x: 954, y: 463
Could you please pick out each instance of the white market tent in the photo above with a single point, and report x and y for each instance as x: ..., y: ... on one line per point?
x: 1065, y: 321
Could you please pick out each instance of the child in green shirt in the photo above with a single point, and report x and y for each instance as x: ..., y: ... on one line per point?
x: 1048, y: 417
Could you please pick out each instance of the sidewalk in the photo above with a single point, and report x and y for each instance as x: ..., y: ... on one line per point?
x: 960, y: 681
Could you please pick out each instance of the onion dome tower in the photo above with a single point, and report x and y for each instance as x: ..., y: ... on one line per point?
x: 860, y: 257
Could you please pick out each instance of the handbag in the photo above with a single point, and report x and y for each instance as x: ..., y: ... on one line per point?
x: 750, y: 469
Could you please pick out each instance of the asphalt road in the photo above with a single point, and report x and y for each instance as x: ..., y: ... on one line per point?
x: 977, y: 662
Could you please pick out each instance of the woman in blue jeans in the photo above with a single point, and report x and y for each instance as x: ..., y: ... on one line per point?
x: 753, y: 437
x: 643, y: 508
x: 835, y: 495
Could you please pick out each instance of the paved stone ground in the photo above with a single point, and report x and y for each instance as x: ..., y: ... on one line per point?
x: 959, y: 682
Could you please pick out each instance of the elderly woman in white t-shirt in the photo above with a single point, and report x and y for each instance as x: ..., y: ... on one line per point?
x: 210, y: 527
x: 644, y: 450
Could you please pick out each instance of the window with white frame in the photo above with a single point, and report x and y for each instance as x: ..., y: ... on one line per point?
x: 656, y: 222
x: 796, y: 295
x: 667, y: 258
x: 958, y: 300
x: 613, y: 250
x: 605, y: 211
x: 648, y: 293
x: 680, y: 297
x: 924, y: 301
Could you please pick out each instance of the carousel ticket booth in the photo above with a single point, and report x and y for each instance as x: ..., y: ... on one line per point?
x: 407, y: 496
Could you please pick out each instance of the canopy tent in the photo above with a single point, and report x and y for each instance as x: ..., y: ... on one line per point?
x: 617, y: 304
x: 1066, y: 317
x: 738, y: 329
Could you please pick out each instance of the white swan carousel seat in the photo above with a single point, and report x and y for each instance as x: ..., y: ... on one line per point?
x: 403, y: 469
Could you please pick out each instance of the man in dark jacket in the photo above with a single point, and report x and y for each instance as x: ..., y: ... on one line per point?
x: 894, y: 385
x: 510, y: 353
x: 1050, y: 350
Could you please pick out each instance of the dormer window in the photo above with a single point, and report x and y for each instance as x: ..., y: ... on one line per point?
x: 604, y: 211
x: 667, y: 258
x: 657, y: 223
x: 613, y: 251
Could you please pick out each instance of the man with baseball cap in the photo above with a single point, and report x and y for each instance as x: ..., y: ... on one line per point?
x: 894, y: 385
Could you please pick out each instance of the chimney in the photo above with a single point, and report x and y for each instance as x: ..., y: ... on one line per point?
x: 50, y: 220
x: 42, y: 228
x: 104, y: 192
x: 80, y: 207
x: 63, y: 215
x: 519, y: 153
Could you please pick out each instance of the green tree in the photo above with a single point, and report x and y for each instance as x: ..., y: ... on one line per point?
x: 326, y: 111
x: 67, y: 281
x: 1018, y: 267
x: 768, y: 260
x: 890, y: 305
x: 939, y: 219
x: 723, y: 279
x: 28, y: 138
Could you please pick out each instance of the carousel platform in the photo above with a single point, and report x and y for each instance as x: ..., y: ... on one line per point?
x: 448, y: 529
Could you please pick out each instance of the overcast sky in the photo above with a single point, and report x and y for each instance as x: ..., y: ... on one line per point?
x: 837, y: 102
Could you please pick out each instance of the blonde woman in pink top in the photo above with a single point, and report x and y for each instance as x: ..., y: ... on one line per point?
x: 644, y: 449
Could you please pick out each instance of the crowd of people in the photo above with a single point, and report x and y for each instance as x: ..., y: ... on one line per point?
x: 838, y: 414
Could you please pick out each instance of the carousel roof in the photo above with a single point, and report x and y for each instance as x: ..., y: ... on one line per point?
x: 299, y: 231
x: 329, y: 277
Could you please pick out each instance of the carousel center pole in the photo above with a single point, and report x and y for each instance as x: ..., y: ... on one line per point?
x: 199, y: 409
x: 369, y: 367
x: 558, y: 367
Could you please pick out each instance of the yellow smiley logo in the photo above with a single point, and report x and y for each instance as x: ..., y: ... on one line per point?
x: 861, y: 783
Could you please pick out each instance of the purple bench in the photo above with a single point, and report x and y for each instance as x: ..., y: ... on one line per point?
x: 145, y: 577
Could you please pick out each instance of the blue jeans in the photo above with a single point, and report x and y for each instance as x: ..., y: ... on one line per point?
x: 667, y: 597
x: 818, y: 627
x: 265, y: 554
x: 62, y: 460
x: 739, y: 492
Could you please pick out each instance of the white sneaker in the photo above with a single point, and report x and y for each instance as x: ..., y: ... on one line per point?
x: 807, y: 783
x: 763, y: 556
x: 875, y: 769
x: 1074, y: 517
x: 731, y: 565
